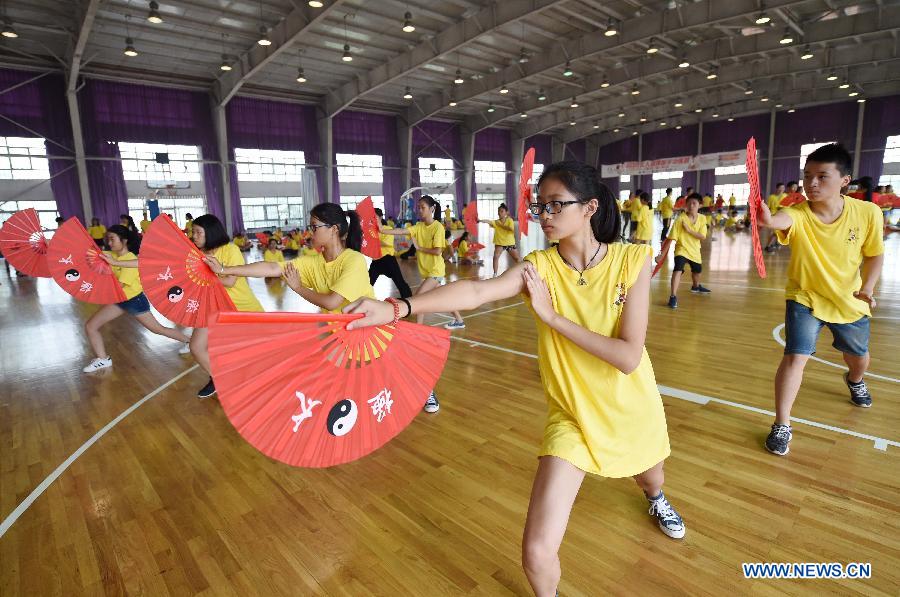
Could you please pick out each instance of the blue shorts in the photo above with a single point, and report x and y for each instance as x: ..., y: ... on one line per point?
x: 135, y: 305
x: 801, y: 330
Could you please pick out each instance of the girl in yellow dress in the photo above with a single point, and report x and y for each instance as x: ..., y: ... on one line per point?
x: 644, y: 219
x: 210, y: 237
x: 504, y: 236
x: 590, y: 297
x: 273, y: 254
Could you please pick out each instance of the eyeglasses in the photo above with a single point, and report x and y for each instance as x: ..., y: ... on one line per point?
x: 312, y: 227
x: 551, y: 207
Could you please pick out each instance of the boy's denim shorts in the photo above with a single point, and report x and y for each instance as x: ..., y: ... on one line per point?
x: 801, y: 330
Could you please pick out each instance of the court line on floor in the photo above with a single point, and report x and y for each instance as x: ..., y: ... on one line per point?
x: 879, y: 443
x: 37, y: 491
x: 776, y: 334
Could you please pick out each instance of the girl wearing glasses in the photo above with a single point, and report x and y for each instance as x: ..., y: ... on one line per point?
x: 590, y: 297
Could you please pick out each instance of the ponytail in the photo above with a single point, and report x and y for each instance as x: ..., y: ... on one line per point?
x: 347, y: 222
x: 354, y: 231
x: 584, y: 183
x: 435, y: 206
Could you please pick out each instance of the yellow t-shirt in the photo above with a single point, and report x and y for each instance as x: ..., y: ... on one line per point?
x: 97, y: 232
x: 347, y: 275
x: 241, y: 295
x: 240, y: 241
x: 599, y: 419
x: 463, y: 249
x: 666, y: 207
x: 823, y: 272
x: 429, y: 236
x: 774, y: 202
x: 278, y: 234
x: 189, y: 228
x: 275, y: 256
x: 635, y: 207
x: 128, y: 277
x: 504, y: 232
x: 732, y: 201
x: 686, y: 245
x: 707, y: 201
x: 387, y: 242
x: 448, y: 214
x: 730, y: 222
x: 310, y: 251
x: 645, y: 224
x: 145, y: 224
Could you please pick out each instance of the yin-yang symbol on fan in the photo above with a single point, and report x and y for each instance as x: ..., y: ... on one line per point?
x: 342, y: 418
x: 175, y: 294
x: 72, y: 275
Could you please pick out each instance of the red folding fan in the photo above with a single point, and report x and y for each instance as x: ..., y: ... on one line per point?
x: 337, y: 396
x: 680, y: 203
x: 525, y: 190
x: 75, y: 263
x: 792, y: 199
x: 24, y: 245
x: 176, y: 280
x: 371, y: 242
x: 884, y: 200
x: 754, y: 203
x: 470, y: 218
x: 262, y: 238
x: 661, y: 258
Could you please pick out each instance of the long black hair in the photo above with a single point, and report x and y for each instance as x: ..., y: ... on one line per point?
x: 583, y: 182
x: 129, y: 237
x: 435, y: 206
x: 131, y: 224
x: 380, y: 215
x: 865, y: 185
x: 213, y: 230
x: 347, y: 222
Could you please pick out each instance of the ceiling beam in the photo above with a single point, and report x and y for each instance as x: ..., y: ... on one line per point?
x: 73, y: 59
x: 868, y: 68
x: 283, y: 35
x: 497, y: 14
x: 700, y: 14
x: 824, y: 33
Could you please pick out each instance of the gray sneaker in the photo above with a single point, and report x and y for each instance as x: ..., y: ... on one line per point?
x: 668, y: 519
x: 778, y: 440
x: 432, y: 405
x: 859, y: 392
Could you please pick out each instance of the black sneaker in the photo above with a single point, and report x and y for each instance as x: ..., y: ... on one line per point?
x: 207, y: 390
x: 859, y: 392
x: 700, y: 289
x: 432, y: 405
x: 668, y: 519
x: 673, y: 302
x: 778, y: 440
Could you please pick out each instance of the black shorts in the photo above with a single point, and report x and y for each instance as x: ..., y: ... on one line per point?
x: 681, y: 261
x: 507, y: 247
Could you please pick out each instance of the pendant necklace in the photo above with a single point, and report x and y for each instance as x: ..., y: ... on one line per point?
x: 581, y: 280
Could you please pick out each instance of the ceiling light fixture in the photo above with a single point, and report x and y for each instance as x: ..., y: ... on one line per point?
x: 153, y: 15
x: 807, y: 53
x: 568, y: 70
x: 129, y: 48
x: 301, y: 78
x: 408, y: 27
x: 787, y: 38
x: 408, y: 94
x: 459, y: 78
x: 611, y: 28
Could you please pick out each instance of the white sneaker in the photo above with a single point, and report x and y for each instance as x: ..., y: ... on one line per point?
x: 185, y: 349
x: 432, y: 405
x: 668, y: 519
x: 98, y: 364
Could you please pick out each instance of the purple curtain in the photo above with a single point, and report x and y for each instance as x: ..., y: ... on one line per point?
x: 722, y: 135
x: 372, y: 134
x: 107, y: 183
x: 623, y: 150
x: 576, y: 150
x: 543, y: 151
x: 880, y: 121
x: 40, y: 106
x: 437, y: 139
x: 268, y: 124
x: 495, y: 145
x: 114, y: 111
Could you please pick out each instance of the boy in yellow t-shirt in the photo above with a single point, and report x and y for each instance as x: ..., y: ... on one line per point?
x: 644, y: 232
x: 831, y: 236
x: 689, y: 229
x: 666, y: 210
x: 774, y: 204
x: 145, y: 223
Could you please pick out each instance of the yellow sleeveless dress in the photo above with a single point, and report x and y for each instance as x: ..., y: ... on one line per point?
x: 600, y: 420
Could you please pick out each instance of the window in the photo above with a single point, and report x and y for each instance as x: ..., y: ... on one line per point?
x: 667, y: 175
x: 23, y: 158
x: 349, y: 202
x: 175, y: 206
x: 624, y: 195
x: 488, y: 204
x: 626, y: 178
x: 269, y: 165
x: 490, y: 173
x: 892, y: 151
x: 890, y: 179
x: 739, y: 169
x: 658, y: 194
x: 807, y: 149
x: 359, y: 168
x: 442, y: 174
x: 139, y: 163
x: 740, y: 190
x: 269, y: 213
x: 46, y: 210
x: 536, y: 174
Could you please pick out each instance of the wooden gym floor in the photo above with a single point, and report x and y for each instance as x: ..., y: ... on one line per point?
x: 171, y: 501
